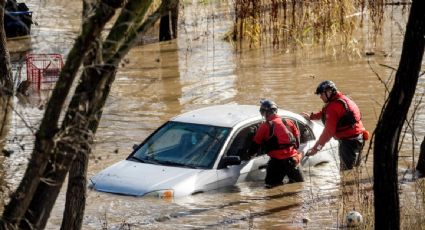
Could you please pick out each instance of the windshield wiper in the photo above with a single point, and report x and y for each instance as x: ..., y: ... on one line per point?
x: 137, y: 159
x: 172, y: 163
x: 156, y: 162
x: 148, y: 161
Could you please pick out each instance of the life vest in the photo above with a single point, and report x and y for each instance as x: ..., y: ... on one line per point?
x: 351, y: 116
x: 272, y: 143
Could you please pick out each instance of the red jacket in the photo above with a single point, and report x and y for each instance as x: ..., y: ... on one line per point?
x: 332, y: 113
x: 263, y: 134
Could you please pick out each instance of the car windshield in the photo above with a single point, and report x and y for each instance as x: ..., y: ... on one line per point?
x: 183, y: 144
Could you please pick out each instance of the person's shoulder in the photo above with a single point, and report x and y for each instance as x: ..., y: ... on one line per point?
x: 337, y: 102
x: 335, y: 105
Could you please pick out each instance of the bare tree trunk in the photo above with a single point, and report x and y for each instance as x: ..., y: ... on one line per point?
x: 91, y: 94
x: 85, y: 108
x: 77, y: 181
x: 421, y: 162
x: 74, y: 208
x: 76, y: 142
x: 76, y: 192
x: 168, y: 24
x: 45, y: 137
x: 390, y: 124
x: 77, y: 177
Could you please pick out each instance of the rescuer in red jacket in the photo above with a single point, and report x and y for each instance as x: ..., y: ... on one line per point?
x: 280, y: 138
x: 342, y: 120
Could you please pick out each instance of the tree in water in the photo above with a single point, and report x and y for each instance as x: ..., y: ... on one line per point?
x: 59, y: 147
x: 168, y: 24
x: 390, y: 123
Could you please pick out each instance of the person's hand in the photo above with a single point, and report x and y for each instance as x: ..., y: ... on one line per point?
x: 306, y: 115
x: 311, y: 152
x: 297, y: 158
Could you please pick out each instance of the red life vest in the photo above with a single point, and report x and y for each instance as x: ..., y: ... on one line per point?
x: 349, y: 125
x: 276, y: 139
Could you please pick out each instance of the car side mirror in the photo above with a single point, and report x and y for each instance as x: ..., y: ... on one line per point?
x: 135, y: 146
x: 231, y: 160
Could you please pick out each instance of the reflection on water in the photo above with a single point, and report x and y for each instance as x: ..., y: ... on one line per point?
x: 159, y: 81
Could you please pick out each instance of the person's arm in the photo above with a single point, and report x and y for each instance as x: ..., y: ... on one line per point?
x: 312, y: 115
x: 257, y: 139
x: 333, y: 114
x: 316, y: 116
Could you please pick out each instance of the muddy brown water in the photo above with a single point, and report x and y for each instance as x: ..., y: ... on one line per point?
x: 161, y: 80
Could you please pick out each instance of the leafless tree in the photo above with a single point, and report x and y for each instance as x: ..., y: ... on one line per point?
x: 391, y: 121
x: 60, y: 147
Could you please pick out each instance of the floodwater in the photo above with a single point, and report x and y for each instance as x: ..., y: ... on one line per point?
x: 160, y: 80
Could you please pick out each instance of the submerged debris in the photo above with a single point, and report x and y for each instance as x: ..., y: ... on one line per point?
x: 7, y: 153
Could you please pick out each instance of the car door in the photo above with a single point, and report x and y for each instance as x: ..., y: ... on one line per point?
x: 250, y: 168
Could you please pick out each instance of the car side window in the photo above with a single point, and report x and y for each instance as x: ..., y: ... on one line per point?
x: 242, y: 142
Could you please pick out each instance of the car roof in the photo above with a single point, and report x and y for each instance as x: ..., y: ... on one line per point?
x: 228, y: 115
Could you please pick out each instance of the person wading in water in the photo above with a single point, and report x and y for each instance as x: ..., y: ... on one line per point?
x: 342, y: 120
x: 280, y: 138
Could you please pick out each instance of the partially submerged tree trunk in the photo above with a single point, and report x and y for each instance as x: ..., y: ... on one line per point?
x: 168, y: 24
x: 77, y: 177
x: 421, y: 162
x: 56, y: 149
x: 96, y: 83
x: 390, y: 124
x: 102, y: 87
x: 46, y: 138
x: 81, y: 120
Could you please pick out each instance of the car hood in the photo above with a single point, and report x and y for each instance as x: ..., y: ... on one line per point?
x: 137, y: 179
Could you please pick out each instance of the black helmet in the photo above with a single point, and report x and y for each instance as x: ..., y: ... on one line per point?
x: 267, y: 106
x: 323, y: 86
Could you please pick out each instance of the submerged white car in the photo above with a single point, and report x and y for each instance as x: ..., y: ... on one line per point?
x: 202, y: 150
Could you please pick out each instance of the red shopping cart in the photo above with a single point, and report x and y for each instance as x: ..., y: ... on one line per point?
x: 43, y: 69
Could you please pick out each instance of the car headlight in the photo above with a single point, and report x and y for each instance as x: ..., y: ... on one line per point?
x: 166, y: 194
